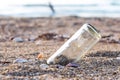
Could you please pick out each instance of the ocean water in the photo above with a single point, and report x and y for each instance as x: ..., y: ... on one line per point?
x: 38, y: 8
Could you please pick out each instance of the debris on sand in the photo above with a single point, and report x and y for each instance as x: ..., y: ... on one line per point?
x: 41, y: 56
x: 110, y: 39
x: 75, y: 65
x: 59, y: 66
x: 4, y: 62
x: 118, y: 57
x: 44, y: 66
x: 52, y: 36
x: 38, y: 42
x: 18, y: 39
x: 107, y: 36
x: 47, y: 36
x: 20, y: 60
x: 32, y: 38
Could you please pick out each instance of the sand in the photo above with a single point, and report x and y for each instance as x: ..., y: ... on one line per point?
x: 43, y: 36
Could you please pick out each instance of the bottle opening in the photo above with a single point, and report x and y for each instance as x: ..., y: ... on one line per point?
x: 93, y: 31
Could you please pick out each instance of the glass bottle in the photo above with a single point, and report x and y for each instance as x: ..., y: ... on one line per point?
x: 76, y: 47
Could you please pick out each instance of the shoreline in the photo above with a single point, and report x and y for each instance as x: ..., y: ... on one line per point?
x: 4, y: 16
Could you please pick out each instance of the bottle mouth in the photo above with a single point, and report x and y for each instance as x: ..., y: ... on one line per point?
x: 93, y: 31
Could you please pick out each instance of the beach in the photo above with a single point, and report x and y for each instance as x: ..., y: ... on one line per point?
x: 26, y: 44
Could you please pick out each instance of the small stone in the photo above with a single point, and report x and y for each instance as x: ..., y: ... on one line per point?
x: 119, y: 55
x: 44, y: 66
x: 118, y: 58
x: 40, y: 56
x: 33, y: 38
x: 38, y: 42
x: 66, y: 36
x: 60, y: 66
x: 72, y: 65
x: 20, y: 60
x: 18, y: 39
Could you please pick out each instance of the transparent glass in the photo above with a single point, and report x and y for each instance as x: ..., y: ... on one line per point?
x: 76, y: 47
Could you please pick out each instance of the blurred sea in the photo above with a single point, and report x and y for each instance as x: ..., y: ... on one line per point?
x: 101, y: 8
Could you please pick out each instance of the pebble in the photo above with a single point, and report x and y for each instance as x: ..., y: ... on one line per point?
x: 44, y: 66
x: 119, y: 55
x: 33, y: 38
x: 60, y: 66
x: 118, y: 58
x: 18, y: 39
x: 20, y: 60
x: 40, y: 56
x: 66, y: 36
x: 72, y: 65
x: 38, y: 42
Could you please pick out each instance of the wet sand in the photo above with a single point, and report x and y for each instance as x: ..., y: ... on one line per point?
x: 43, y: 36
